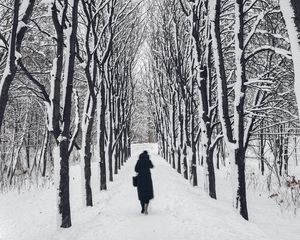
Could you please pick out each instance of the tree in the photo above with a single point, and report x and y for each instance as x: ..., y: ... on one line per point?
x: 61, y: 127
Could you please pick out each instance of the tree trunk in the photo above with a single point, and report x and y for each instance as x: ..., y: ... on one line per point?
x: 194, y: 166
x: 262, y: 150
x: 193, y: 140
x: 280, y: 154
x: 185, y: 165
x: 187, y: 143
x: 173, y: 129
x: 86, y: 154
x: 44, y: 153
x: 116, y: 160
x: 286, y: 155
x: 110, y: 137
x: 119, y: 153
x: 27, y: 149
x: 63, y: 189
x: 218, y: 154
x: 102, y: 137
x: 179, y: 160
x: 211, y: 174
x: 241, y: 202
x: 180, y: 147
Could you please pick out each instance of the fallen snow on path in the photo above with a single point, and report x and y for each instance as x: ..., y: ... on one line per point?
x: 178, y: 211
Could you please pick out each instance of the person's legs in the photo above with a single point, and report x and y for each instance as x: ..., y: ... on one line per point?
x: 143, y: 206
x: 146, y: 206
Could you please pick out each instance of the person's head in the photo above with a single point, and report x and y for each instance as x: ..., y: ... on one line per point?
x: 144, y: 156
x: 145, y: 153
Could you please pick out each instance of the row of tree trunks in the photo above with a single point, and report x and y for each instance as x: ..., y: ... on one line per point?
x: 92, y: 47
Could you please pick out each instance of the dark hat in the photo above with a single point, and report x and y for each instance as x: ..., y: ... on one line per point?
x: 145, y: 153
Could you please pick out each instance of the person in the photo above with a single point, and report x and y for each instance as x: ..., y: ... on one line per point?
x: 144, y: 181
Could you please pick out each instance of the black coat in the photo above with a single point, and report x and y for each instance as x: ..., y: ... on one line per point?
x: 144, y: 181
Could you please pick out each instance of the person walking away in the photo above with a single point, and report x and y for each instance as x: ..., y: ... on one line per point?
x: 144, y: 181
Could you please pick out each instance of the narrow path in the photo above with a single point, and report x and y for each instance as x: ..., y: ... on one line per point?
x: 178, y: 211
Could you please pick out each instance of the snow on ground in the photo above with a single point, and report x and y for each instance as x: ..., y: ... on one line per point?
x: 178, y: 211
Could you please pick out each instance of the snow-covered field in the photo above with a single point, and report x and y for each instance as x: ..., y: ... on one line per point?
x: 178, y: 211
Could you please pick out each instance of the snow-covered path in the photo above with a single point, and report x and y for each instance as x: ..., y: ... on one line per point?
x: 178, y: 211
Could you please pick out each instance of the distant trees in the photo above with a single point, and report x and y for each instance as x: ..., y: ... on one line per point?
x: 172, y: 90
